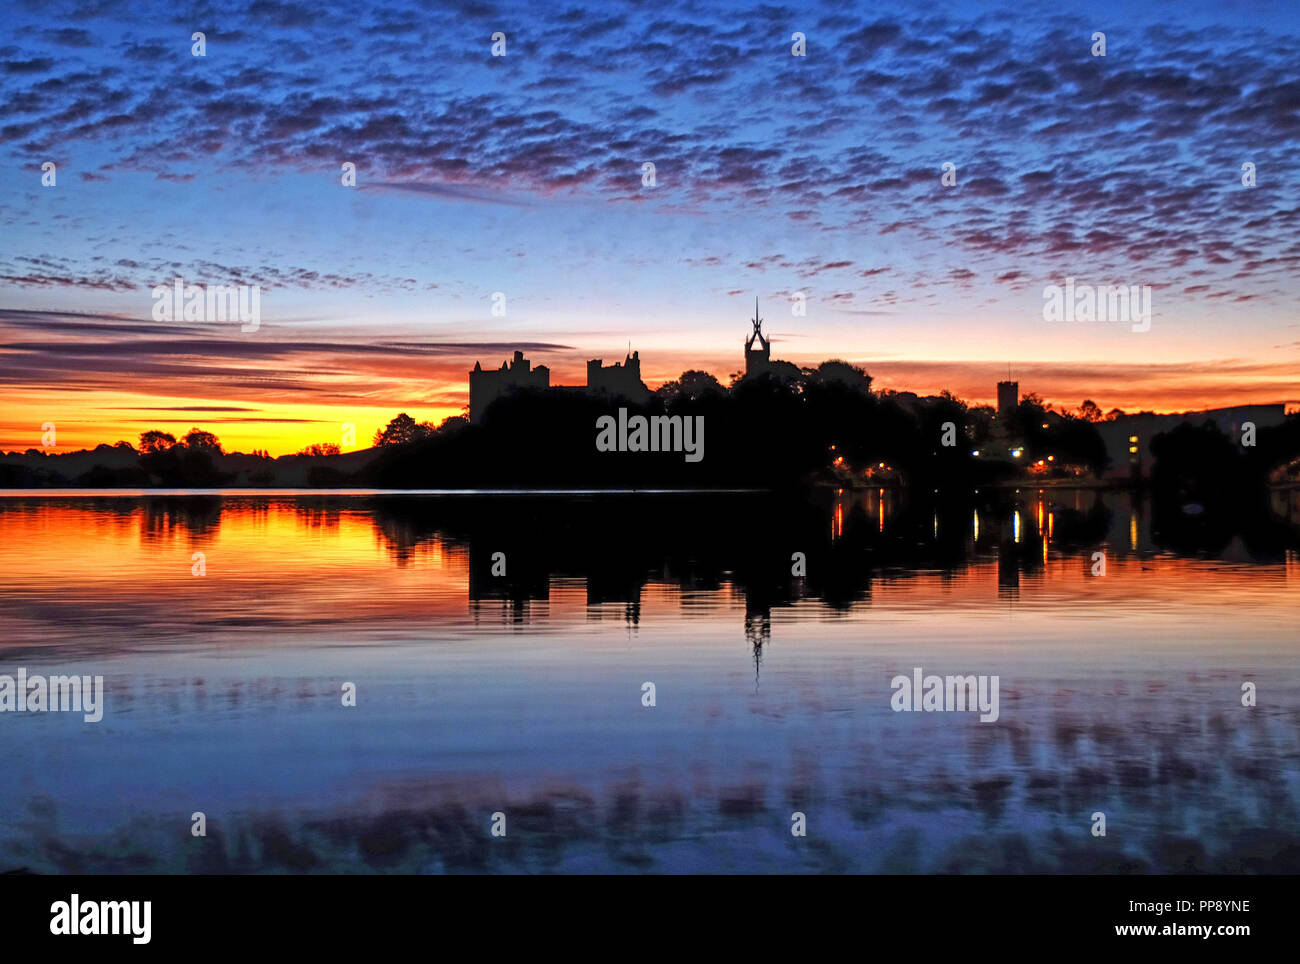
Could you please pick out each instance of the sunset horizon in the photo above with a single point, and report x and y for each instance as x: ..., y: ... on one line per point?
x: 95, y: 412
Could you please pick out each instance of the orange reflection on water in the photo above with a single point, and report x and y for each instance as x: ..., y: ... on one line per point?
x: 101, y: 568
x: 241, y: 559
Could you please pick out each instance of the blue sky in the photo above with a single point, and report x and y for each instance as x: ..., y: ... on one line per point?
x: 522, y: 174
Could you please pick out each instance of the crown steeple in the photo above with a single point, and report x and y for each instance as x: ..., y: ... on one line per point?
x: 757, y: 358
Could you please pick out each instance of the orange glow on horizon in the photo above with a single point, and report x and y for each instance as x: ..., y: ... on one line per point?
x: 90, y: 416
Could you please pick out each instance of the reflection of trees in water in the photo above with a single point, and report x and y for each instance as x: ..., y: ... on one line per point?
x: 1285, y: 504
x: 401, y: 535
x: 621, y: 544
x: 198, y: 516
x: 1218, y: 527
x: 512, y: 611
x: 318, y: 515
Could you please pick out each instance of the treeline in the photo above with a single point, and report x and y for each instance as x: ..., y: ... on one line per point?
x: 1200, y: 464
x: 789, y: 428
x: 776, y: 431
x: 195, y: 460
x: 797, y: 426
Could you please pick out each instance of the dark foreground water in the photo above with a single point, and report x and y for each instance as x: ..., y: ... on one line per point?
x: 1119, y: 693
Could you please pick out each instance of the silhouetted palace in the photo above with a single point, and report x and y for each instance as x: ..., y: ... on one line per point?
x: 486, y: 387
x: 1126, y: 437
x: 620, y: 380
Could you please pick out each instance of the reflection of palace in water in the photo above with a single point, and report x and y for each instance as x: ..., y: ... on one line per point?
x: 866, y: 536
x: 869, y: 535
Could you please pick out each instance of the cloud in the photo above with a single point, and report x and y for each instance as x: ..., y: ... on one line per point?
x: 82, y: 352
x: 37, y: 65
x: 1120, y: 167
x: 453, y: 192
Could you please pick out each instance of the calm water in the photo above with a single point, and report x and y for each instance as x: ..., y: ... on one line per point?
x: 522, y: 693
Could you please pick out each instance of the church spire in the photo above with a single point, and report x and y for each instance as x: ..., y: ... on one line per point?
x: 756, y: 358
x: 757, y: 334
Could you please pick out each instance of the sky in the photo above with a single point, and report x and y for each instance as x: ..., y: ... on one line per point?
x: 775, y: 176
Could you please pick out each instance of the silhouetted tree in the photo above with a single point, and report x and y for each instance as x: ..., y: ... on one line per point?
x: 786, y: 373
x: 185, y: 466
x: 1277, y: 452
x: 320, y: 448
x: 1196, y: 463
x: 840, y: 372
x: 692, y: 384
x: 156, y: 441
x: 401, y: 430
x: 198, y: 439
x: 1066, y: 437
x: 980, y: 418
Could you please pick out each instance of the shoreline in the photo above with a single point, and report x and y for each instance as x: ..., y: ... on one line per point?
x: 1105, y: 485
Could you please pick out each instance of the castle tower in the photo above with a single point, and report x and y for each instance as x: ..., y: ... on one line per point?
x: 619, y: 380
x: 1008, y: 398
x: 757, y: 360
x: 485, y: 387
